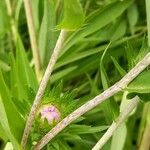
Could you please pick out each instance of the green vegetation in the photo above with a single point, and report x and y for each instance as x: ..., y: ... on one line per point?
x: 88, y: 46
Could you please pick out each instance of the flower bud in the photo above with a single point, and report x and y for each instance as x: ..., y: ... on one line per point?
x: 50, y: 113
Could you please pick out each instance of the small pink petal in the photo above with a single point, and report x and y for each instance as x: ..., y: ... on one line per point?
x: 50, y: 113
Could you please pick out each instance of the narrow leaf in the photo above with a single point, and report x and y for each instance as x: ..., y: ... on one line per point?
x: 73, y: 15
x: 13, y: 116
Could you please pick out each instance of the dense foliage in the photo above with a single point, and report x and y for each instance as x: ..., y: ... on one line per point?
x: 105, y: 39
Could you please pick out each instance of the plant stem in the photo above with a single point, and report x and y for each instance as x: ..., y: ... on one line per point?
x: 143, y: 123
x: 145, y: 142
x: 43, y: 85
x: 32, y: 34
x: 95, y: 101
x: 12, y: 22
x: 114, y: 126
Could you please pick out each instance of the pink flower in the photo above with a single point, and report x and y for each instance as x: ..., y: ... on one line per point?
x: 50, y: 113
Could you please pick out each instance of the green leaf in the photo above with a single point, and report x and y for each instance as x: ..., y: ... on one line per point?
x: 4, y: 66
x: 84, y: 66
x: 47, y: 35
x: 98, y: 20
x: 73, y: 15
x: 78, y: 56
x: 140, y: 86
x: 10, y: 119
x: 84, y: 129
x: 120, y: 30
x: 3, y: 135
x: 59, y: 75
x: 132, y: 14
x: 17, y: 89
x: 64, y: 145
x: 119, y: 68
x: 70, y: 136
x: 55, y: 145
x: 109, y: 106
x: 22, y: 106
x: 104, y: 77
x: 119, y: 138
x: 94, y: 88
x: 25, y: 72
x: 130, y: 55
x: 102, y: 17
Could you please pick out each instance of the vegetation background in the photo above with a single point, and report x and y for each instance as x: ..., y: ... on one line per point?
x: 104, y: 40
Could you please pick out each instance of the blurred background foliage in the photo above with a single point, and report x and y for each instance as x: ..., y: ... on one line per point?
x: 117, y: 25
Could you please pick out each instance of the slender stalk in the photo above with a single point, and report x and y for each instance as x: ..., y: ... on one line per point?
x: 143, y: 123
x: 114, y: 126
x: 12, y: 22
x: 95, y: 101
x: 42, y: 86
x: 32, y: 34
x: 145, y: 142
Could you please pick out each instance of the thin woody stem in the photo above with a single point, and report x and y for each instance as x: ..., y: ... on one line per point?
x: 95, y: 101
x: 114, y: 126
x: 145, y: 144
x: 42, y: 86
x: 32, y: 34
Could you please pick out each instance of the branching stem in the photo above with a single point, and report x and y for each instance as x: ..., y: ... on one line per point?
x: 114, y: 126
x: 95, y: 101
